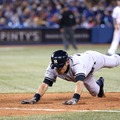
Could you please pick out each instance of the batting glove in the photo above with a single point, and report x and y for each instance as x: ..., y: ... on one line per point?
x: 74, y: 100
x: 33, y: 100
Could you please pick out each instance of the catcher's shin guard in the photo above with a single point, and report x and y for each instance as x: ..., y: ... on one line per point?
x: 100, y: 82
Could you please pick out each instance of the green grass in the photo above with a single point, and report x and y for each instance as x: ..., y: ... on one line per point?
x: 22, y: 70
x: 70, y: 116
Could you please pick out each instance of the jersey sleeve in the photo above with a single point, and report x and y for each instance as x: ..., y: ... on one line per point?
x: 79, y: 70
x: 50, y: 76
x: 80, y: 73
x: 48, y: 82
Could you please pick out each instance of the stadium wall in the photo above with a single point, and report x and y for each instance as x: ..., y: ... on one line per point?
x: 52, y: 36
x: 102, y: 34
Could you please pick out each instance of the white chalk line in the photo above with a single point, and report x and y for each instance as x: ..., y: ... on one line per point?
x: 58, y: 110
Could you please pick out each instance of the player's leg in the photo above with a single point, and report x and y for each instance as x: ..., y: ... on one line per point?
x: 100, y: 82
x: 72, y: 38
x: 115, y: 43
x: 103, y: 60
x: 65, y: 41
x: 111, y: 61
x: 94, y: 87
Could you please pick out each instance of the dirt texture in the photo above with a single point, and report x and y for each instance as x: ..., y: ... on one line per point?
x: 10, y: 104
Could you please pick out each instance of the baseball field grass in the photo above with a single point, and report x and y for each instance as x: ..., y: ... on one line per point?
x: 22, y: 70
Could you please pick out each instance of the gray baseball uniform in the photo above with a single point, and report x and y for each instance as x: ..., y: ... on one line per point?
x: 82, y: 66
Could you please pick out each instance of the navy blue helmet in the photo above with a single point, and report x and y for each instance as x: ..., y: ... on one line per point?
x: 58, y: 59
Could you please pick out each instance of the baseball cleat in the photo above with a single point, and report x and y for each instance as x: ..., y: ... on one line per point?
x: 100, y: 82
x: 118, y: 54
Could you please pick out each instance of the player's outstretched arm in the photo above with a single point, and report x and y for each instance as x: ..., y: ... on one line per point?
x: 41, y: 91
x: 76, y: 96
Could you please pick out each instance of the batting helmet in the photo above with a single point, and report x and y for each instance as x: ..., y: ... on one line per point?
x: 58, y: 59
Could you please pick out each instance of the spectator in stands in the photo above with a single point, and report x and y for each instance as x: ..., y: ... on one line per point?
x: 26, y: 18
x: 37, y: 13
x: 91, y: 22
x: 107, y: 18
x: 3, y: 22
x: 98, y: 19
x: 83, y: 22
x: 14, y: 21
x: 3, y: 19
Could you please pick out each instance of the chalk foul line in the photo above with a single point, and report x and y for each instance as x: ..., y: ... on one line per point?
x: 57, y: 110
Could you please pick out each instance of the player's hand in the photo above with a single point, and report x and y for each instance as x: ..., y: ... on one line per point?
x: 72, y: 101
x: 31, y: 101
x: 34, y: 100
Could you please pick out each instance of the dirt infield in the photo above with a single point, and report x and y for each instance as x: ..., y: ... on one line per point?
x: 10, y: 103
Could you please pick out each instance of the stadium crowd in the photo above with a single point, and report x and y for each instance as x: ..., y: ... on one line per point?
x: 45, y: 13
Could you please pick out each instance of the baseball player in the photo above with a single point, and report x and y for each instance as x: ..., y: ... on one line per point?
x: 116, y: 35
x: 77, y: 68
